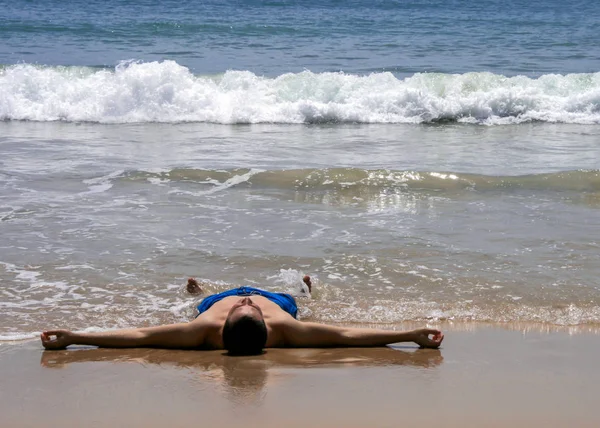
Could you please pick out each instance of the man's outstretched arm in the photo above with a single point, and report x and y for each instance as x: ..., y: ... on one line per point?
x: 313, y: 335
x: 175, y: 336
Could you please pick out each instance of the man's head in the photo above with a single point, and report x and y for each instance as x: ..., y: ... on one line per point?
x: 245, y: 332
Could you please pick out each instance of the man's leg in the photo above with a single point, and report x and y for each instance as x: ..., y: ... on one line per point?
x: 194, y: 288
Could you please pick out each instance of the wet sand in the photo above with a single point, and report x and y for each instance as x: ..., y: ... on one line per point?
x: 490, y: 376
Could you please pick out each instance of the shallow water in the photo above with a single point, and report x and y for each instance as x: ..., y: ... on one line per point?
x: 101, y: 224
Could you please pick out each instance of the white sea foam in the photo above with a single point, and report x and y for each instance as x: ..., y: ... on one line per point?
x: 291, y: 279
x: 101, y: 184
x: 75, y: 267
x: 168, y: 92
x: 17, y: 336
x: 218, y: 186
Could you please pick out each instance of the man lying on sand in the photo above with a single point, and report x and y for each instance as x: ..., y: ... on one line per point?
x: 243, y: 321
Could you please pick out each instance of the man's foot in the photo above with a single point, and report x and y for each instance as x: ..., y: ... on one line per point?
x: 306, y: 280
x: 193, y: 287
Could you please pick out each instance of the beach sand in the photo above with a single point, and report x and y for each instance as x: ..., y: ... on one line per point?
x: 488, y: 376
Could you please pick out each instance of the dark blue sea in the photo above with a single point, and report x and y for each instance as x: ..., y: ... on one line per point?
x: 431, y: 161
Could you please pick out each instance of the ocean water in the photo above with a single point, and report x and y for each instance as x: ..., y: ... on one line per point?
x: 423, y: 161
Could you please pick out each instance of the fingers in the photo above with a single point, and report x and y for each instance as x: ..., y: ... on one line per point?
x: 434, y: 342
x: 46, y: 341
x: 54, y: 339
x: 46, y: 336
x: 58, y: 342
x: 437, y: 339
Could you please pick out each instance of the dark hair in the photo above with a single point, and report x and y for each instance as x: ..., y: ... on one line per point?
x: 245, y: 336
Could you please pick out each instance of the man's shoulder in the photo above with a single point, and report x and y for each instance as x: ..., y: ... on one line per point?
x: 280, y: 327
x: 284, y: 324
x: 282, y: 320
x: 208, y: 330
x: 208, y: 321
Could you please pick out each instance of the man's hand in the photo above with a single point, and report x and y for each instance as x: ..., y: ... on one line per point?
x: 63, y: 338
x: 421, y: 337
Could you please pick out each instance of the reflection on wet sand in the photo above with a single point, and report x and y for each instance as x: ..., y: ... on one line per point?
x: 272, y: 357
x: 244, y: 379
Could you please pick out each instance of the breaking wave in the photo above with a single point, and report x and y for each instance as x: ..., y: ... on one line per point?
x: 168, y: 92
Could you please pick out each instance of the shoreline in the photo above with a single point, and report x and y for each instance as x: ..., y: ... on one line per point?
x: 487, y: 376
x: 445, y: 326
